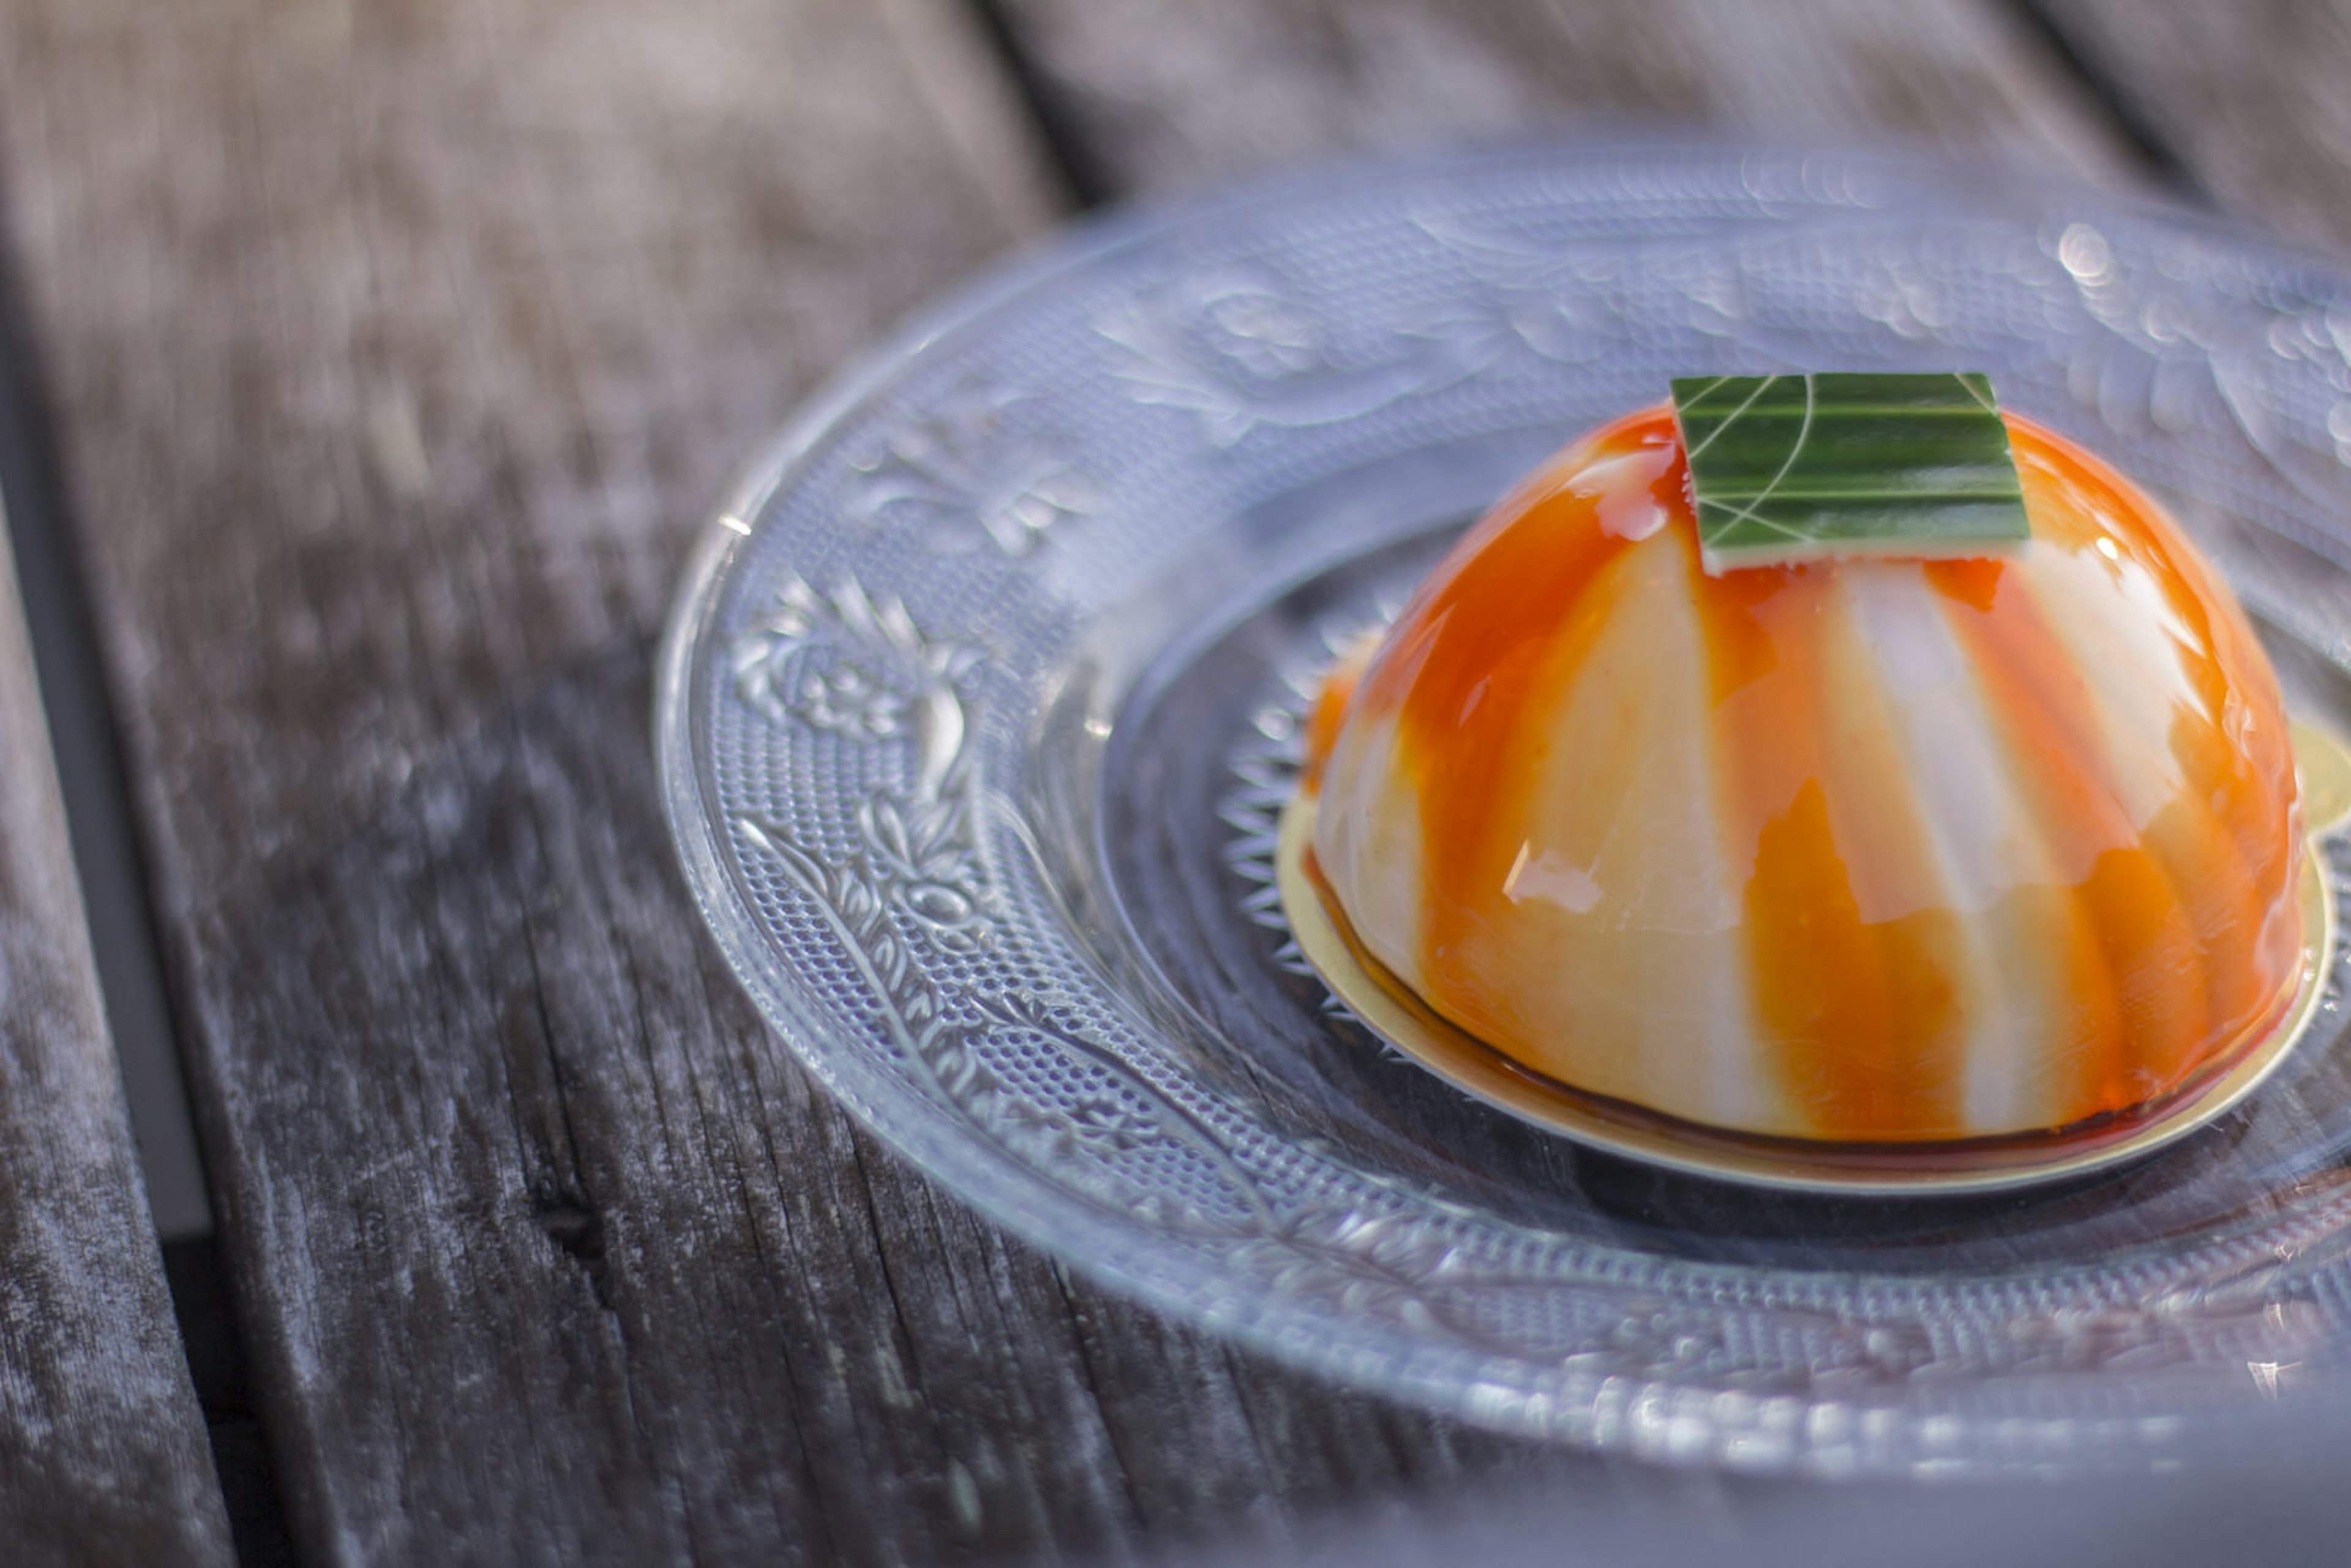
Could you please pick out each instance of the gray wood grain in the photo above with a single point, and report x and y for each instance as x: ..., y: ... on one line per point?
x: 102, y: 1449
x: 400, y: 350
x: 398, y: 362
x: 1166, y: 94
x: 2248, y: 96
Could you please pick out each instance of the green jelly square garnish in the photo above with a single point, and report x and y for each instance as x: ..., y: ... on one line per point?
x: 1787, y: 470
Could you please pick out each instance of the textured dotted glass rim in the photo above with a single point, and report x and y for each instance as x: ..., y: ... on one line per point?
x: 1662, y: 1419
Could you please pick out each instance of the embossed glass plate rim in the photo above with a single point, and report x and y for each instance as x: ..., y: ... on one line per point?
x: 1495, y: 1391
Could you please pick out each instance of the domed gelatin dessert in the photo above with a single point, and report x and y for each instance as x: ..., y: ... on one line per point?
x: 1826, y: 759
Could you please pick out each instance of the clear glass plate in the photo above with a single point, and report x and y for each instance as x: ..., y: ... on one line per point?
x: 980, y: 701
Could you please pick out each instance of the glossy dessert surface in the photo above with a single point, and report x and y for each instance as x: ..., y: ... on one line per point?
x: 1865, y: 851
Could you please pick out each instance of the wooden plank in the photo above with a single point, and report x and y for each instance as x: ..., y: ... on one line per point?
x: 2247, y: 96
x: 1227, y: 86
x: 400, y: 352
x: 401, y: 346
x: 102, y: 1449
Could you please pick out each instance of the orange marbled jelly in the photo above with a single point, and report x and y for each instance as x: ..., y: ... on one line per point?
x: 1871, y: 851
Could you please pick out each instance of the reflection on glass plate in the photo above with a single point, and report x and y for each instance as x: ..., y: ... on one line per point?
x: 978, y: 713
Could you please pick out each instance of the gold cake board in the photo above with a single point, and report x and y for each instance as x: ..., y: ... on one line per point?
x: 1391, y: 1011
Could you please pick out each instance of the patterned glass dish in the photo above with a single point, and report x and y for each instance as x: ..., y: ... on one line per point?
x: 983, y: 698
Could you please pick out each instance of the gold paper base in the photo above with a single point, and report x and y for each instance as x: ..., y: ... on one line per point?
x: 1391, y: 1010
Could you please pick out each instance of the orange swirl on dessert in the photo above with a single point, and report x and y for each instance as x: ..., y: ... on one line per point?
x: 1872, y: 851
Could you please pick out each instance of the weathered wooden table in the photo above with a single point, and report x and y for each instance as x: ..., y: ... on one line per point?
x: 364, y: 372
